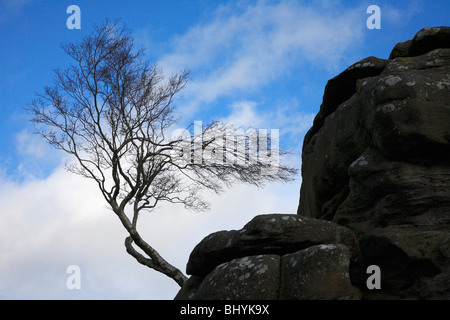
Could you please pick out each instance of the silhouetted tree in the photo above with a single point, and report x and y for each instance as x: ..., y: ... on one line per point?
x: 113, y: 112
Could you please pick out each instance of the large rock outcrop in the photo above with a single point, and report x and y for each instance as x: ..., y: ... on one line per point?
x: 274, y: 256
x: 375, y: 191
x: 377, y: 160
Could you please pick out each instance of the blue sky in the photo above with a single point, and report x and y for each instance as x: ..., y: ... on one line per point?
x: 255, y: 63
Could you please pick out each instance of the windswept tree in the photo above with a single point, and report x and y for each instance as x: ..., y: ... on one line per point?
x: 114, y: 113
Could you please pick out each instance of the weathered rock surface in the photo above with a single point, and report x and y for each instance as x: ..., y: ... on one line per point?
x: 424, y: 41
x: 267, y: 234
x: 378, y: 162
x: 263, y: 259
x: 316, y: 273
x: 247, y: 278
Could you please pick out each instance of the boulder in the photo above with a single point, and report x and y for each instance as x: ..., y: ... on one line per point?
x: 246, y: 278
x: 261, y: 261
x: 267, y: 234
x: 429, y: 39
x: 189, y: 290
x: 424, y: 41
x: 319, y: 272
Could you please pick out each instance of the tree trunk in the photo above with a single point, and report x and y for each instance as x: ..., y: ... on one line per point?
x: 153, y: 259
x: 155, y: 262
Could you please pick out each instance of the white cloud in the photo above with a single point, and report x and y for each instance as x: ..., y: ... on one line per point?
x: 292, y: 121
x: 35, y: 156
x: 245, y: 114
x: 401, y: 15
x: 50, y: 224
x: 247, y: 49
x: 31, y: 145
x: 289, y: 119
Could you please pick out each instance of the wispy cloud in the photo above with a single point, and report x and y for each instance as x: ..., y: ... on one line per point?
x: 246, y: 49
x: 8, y: 7
x: 397, y: 14
x: 13, y: 5
x: 31, y: 145
x: 289, y: 118
x: 35, y: 158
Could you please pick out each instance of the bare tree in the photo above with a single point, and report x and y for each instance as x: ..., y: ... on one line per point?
x: 113, y: 112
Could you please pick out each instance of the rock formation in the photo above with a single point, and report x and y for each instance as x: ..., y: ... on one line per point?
x: 377, y: 160
x: 375, y: 191
x: 274, y: 256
